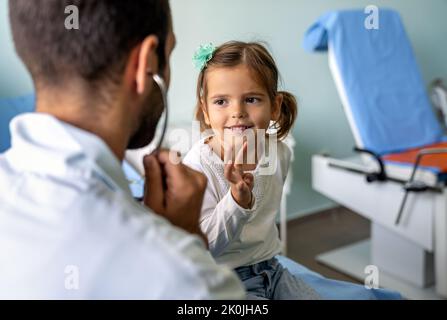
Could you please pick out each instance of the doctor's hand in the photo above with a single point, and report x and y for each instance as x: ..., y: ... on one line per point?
x: 241, y: 183
x: 174, y: 191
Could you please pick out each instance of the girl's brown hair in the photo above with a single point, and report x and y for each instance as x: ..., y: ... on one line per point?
x: 256, y: 57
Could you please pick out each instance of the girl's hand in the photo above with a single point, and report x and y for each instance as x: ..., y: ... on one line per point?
x: 241, y: 183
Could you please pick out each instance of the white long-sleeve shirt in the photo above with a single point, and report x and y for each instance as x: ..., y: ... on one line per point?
x: 70, y: 229
x: 237, y: 236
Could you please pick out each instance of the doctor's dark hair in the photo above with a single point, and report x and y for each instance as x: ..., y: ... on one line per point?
x: 98, y: 50
x: 259, y: 61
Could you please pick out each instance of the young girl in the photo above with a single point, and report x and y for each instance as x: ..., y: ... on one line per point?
x: 237, y: 92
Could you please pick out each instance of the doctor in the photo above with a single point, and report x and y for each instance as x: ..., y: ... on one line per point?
x: 69, y: 227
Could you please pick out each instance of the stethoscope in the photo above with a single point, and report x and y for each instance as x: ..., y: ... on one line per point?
x: 164, y: 93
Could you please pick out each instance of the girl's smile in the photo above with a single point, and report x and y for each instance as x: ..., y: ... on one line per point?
x: 237, y: 129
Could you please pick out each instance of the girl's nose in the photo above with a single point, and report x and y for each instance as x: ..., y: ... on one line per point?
x: 239, y: 112
x: 238, y: 115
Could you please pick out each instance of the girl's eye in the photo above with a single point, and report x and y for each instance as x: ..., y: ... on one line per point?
x: 220, y: 102
x: 252, y: 100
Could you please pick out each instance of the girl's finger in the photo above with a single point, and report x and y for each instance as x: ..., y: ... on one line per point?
x: 242, y: 187
x: 248, y: 177
x: 239, y: 160
x: 228, y: 152
x: 240, y: 155
x: 229, y: 173
x: 249, y: 180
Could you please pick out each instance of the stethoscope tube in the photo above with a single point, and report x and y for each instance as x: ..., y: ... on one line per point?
x: 164, y: 93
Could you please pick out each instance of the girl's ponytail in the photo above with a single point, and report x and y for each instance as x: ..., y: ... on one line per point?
x: 287, y: 116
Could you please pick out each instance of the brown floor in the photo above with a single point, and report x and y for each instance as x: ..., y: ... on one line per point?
x: 324, y: 231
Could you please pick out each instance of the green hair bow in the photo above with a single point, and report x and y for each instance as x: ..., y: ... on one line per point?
x: 202, y: 55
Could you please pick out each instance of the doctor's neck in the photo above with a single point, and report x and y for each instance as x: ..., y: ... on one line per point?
x: 78, y: 105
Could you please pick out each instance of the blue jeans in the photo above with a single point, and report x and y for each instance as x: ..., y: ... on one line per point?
x: 283, y: 279
x: 334, y: 289
x: 270, y: 280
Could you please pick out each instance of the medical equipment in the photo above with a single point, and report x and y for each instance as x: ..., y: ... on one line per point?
x: 398, y: 179
x: 164, y: 92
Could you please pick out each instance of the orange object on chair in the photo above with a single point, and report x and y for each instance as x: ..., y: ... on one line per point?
x: 436, y: 161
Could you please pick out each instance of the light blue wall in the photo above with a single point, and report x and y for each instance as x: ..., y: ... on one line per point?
x: 14, y: 79
x: 322, y: 126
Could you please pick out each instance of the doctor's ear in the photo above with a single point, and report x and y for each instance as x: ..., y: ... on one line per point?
x: 146, y: 61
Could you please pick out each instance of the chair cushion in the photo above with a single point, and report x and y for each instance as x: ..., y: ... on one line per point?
x: 437, y: 163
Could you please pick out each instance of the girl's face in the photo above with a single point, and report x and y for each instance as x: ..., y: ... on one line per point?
x: 236, y: 102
